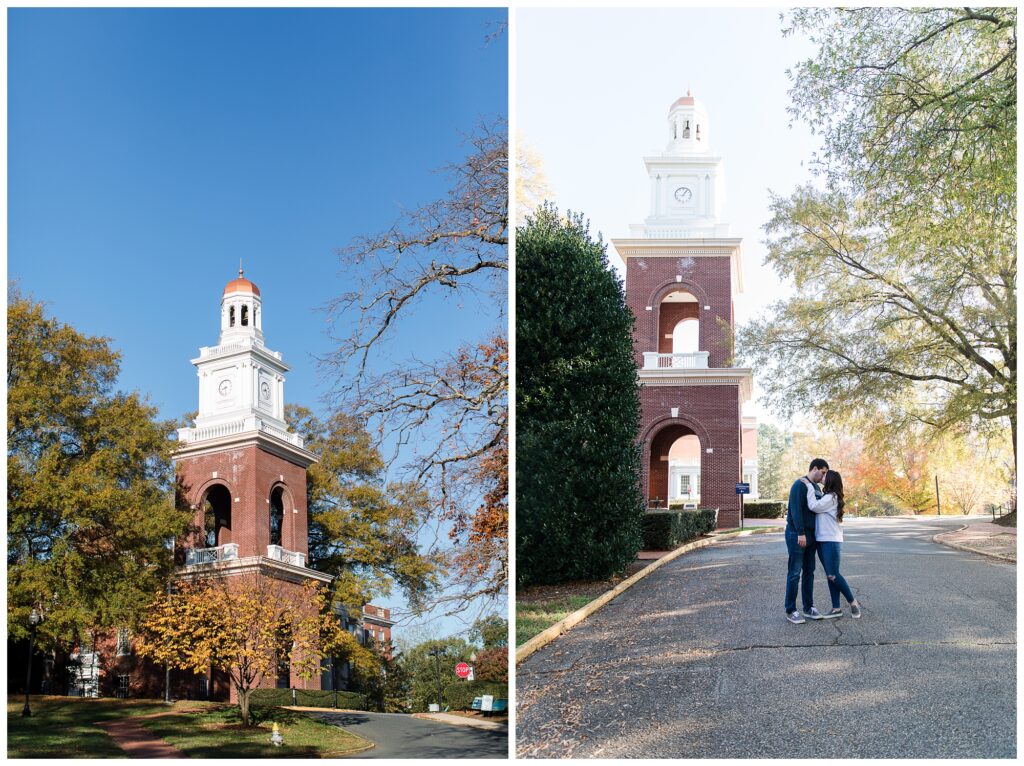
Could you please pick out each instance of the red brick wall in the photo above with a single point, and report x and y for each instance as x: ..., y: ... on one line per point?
x: 250, y: 474
x: 670, y: 315
x: 707, y: 278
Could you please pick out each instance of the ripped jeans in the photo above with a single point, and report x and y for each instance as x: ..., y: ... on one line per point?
x: 828, y: 552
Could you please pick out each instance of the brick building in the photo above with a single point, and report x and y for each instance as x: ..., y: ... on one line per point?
x: 682, y: 272
x: 377, y: 625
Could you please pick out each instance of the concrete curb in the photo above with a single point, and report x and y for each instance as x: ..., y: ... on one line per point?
x: 990, y: 554
x: 462, y: 721
x: 549, y: 634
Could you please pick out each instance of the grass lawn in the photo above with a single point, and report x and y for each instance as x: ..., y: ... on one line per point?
x: 65, y: 727
x: 534, y: 616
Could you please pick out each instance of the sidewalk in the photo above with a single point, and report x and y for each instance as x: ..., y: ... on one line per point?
x: 137, y: 741
x: 458, y: 720
x: 985, y: 538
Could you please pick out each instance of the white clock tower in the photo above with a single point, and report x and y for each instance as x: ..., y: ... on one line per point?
x: 687, y: 181
x: 241, y: 381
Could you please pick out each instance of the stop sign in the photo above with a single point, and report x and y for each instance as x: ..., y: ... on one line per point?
x: 462, y: 670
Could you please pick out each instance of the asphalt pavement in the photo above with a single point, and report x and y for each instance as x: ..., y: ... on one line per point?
x: 698, y: 661
x: 402, y: 736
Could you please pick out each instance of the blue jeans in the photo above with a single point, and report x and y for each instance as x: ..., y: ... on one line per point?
x: 801, y: 565
x: 829, y: 553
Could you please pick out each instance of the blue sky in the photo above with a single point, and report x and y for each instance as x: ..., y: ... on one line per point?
x: 149, y: 150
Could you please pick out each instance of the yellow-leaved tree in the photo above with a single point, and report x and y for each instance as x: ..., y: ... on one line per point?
x: 246, y: 627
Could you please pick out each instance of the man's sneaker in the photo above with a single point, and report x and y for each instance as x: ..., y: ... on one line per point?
x: 795, y: 618
x: 832, y: 615
x: 855, y: 610
x: 813, y: 614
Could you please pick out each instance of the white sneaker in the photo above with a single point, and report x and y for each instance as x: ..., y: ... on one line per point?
x: 814, y: 614
x: 795, y: 618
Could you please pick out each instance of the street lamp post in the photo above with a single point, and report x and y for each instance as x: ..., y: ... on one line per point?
x: 436, y: 654
x: 33, y: 620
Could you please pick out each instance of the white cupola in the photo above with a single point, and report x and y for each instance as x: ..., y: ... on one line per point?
x: 241, y: 314
x: 688, y: 126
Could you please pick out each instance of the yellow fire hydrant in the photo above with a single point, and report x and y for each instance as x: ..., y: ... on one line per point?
x: 276, y: 737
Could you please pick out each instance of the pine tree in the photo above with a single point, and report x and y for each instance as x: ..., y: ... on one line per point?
x: 578, y: 407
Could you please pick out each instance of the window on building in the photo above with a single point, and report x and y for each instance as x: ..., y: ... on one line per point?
x: 204, y: 688
x: 122, y: 687
x: 245, y: 316
x: 686, y: 130
x: 684, y: 484
x: 124, y: 645
x: 231, y: 317
x: 698, y: 132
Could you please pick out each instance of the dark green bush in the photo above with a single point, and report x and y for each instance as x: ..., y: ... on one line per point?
x: 765, y: 509
x: 664, y: 530
x: 578, y: 499
x: 309, y: 698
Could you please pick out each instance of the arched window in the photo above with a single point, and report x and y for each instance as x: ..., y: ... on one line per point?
x: 217, y: 516
x: 245, y: 316
x: 276, y: 515
x: 698, y: 132
x: 686, y: 130
x: 231, y: 317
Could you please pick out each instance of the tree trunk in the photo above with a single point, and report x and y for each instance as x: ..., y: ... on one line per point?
x: 243, y: 703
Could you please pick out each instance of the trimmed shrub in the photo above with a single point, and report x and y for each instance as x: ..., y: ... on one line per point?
x: 578, y: 499
x: 664, y: 530
x: 765, y: 509
x: 309, y: 698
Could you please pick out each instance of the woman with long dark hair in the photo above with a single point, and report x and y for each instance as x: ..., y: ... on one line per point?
x: 828, y: 516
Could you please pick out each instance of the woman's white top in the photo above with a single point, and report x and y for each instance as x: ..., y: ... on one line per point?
x: 826, y: 527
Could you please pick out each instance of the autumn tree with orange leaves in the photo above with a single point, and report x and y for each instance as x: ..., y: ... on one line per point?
x: 445, y: 420
x: 247, y: 626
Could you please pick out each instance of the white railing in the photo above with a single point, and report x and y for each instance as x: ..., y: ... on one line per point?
x: 232, y: 348
x: 288, y: 437
x: 225, y: 552
x: 211, y: 432
x: 695, y: 360
x: 277, y: 553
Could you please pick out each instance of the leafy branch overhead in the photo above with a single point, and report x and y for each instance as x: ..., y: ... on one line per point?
x: 904, y: 255
x: 447, y: 417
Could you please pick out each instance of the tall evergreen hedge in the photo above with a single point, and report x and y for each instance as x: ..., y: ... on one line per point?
x: 578, y: 499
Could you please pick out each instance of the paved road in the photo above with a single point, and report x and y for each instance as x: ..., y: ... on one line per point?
x: 697, y: 660
x: 402, y: 736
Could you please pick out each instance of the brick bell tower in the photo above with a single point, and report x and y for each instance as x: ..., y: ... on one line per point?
x: 239, y: 467
x: 682, y: 272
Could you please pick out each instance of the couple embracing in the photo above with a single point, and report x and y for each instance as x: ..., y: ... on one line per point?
x: 812, y: 526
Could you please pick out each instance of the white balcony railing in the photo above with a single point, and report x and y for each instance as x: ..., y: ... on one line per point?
x: 225, y: 552
x: 277, y: 553
x: 695, y: 360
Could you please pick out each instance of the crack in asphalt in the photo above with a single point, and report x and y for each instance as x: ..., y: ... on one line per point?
x: 709, y: 653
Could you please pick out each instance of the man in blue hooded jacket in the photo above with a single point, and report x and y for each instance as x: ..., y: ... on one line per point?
x: 801, y: 545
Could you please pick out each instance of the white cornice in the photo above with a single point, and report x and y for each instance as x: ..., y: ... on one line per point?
x: 721, y: 376
x: 268, y: 442
x: 249, y: 564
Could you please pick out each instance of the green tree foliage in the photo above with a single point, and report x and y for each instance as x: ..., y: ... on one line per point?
x: 490, y: 632
x: 772, y: 443
x: 427, y: 673
x: 89, y: 483
x: 387, y: 689
x: 361, y: 529
x: 904, y: 254
x: 578, y: 408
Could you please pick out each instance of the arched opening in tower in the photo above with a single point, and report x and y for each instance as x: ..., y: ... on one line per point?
x: 217, y: 516
x: 679, y: 328
x: 674, y: 470
x: 276, y: 516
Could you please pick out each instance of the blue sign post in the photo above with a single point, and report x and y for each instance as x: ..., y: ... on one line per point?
x: 742, y: 488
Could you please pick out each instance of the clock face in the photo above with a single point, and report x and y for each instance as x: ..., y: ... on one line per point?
x: 684, y: 194
x: 224, y: 387
x: 265, y: 391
